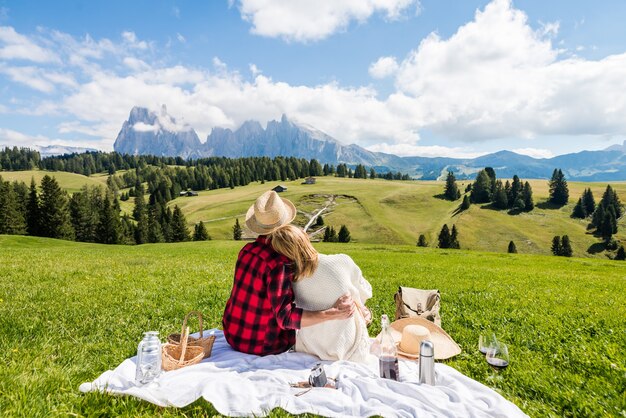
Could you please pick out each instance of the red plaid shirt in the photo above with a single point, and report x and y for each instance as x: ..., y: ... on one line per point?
x: 261, y: 316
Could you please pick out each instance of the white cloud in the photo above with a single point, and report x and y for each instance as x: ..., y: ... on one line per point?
x: 12, y: 138
x: 181, y: 38
x: 550, y: 29
x: 305, y: 20
x: 143, y: 127
x: 535, y: 152
x: 383, y: 67
x: 254, y: 70
x: 14, y: 46
x: 29, y: 76
x: 496, y: 77
x: 136, y: 64
x: 176, y: 12
x: 424, y: 151
x: 130, y: 38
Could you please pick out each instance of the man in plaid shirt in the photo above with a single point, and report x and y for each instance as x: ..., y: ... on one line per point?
x: 261, y: 316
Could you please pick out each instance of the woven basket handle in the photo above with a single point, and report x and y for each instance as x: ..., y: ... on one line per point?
x: 183, y: 340
x: 196, y: 313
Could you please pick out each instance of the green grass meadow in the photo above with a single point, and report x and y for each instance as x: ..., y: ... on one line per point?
x: 70, y: 311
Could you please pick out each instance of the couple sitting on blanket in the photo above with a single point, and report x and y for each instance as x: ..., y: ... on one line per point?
x: 283, y: 285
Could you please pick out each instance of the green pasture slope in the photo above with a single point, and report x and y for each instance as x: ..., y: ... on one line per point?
x: 70, y: 311
x: 397, y: 212
x: 391, y: 212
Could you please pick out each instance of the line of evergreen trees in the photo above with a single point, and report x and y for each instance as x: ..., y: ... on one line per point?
x: 207, y: 173
x: 562, y: 246
x: 516, y: 195
x: 604, y: 215
x: 92, y: 214
x: 331, y: 235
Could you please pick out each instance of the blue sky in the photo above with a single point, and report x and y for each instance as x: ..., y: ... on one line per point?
x: 429, y: 77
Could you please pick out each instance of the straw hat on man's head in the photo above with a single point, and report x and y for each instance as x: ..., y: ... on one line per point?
x: 269, y: 212
x: 408, y: 333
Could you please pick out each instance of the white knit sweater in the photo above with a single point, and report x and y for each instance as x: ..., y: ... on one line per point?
x: 345, y: 339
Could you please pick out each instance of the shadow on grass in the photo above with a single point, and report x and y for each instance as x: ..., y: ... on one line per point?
x: 596, y: 248
x: 548, y: 205
x: 442, y: 196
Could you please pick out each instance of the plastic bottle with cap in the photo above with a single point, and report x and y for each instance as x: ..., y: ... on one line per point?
x: 427, y: 363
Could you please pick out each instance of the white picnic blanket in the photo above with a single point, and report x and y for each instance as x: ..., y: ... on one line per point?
x: 243, y: 385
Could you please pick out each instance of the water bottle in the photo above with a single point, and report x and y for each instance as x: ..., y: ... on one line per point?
x: 388, y: 360
x: 148, y: 358
x: 427, y: 363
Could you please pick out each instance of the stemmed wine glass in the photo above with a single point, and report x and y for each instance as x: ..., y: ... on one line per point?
x: 498, y: 356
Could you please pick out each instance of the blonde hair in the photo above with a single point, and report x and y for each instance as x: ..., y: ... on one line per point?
x: 294, y: 243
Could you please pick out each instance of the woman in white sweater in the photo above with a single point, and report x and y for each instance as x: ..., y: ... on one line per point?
x: 319, y: 280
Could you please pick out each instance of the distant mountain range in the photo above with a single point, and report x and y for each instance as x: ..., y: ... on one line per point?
x: 151, y: 133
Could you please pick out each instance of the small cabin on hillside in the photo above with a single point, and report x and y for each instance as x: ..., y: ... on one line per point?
x: 309, y: 180
x: 188, y: 193
x: 279, y: 189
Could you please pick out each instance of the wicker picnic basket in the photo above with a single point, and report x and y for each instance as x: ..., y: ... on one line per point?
x: 205, y: 342
x: 176, y: 356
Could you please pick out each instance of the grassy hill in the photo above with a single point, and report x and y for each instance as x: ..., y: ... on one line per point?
x: 69, y: 311
x: 397, y: 212
x: 68, y: 181
x: 391, y: 212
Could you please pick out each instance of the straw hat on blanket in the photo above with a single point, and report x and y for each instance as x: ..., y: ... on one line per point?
x: 269, y: 212
x: 408, y: 333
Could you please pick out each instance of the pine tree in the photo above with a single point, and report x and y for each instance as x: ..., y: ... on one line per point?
x: 579, y: 210
x: 372, y: 173
x: 179, y: 226
x: 32, y: 209
x: 155, y: 232
x: 589, y: 202
x: 518, y: 205
x: 84, y: 214
x: 326, y: 235
x: 344, y: 234
x: 109, y: 227
x: 319, y: 221
x: 516, y: 190
x: 11, y: 218
x: 466, y: 203
x: 451, y: 190
x: 621, y: 254
x: 127, y: 230
x: 559, y: 192
x: 54, y: 210
x: 500, y: 199
x: 421, y: 241
x: 454, y: 238
x: 512, y: 248
x: 481, y: 189
x: 607, y: 225
x: 200, y: 233
x: 527, y: 195
x: 444, y: 237
x: 566, y: 247
x: 140, y: 214
x: 556, y: 245
x: 333, y: 235
x: 237, y: 230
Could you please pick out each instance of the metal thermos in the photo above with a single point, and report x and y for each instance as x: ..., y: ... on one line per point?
x: 427, y: 363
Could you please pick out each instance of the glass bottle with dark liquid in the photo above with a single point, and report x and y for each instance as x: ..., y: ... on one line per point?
x: 388, y: 360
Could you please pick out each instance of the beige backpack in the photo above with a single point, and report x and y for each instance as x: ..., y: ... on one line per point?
x: 412, y: 302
